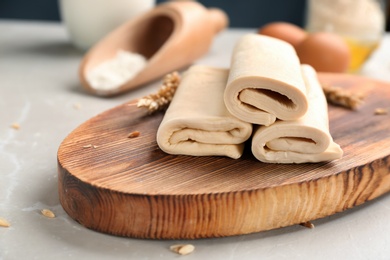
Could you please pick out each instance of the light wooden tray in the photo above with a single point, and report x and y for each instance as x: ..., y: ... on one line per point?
x: 129, y: 187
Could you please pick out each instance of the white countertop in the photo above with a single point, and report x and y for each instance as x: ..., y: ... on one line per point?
x: 39, y: 90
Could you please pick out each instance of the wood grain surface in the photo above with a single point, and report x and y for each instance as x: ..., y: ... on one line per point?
x: 129, y: 187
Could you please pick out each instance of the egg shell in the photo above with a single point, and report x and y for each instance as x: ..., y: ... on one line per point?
x: 284, y: 31
x: 326, y: 52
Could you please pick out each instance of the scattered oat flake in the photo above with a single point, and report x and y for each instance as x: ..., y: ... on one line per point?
x: 381, y: 111
x: 182, y: 249
x: 4, y: 223
x: 134, y: 134
x: 48, y: 213
x: 90, y: 146
x: 76, y: 106
x: 15, y: 126
x: 307, y: 224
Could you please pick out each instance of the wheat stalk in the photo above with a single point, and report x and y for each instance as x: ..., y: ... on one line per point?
x: 341, y: 97
x: 161, y: 99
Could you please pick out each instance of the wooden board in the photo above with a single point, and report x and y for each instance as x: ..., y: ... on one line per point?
x: 129, y: 187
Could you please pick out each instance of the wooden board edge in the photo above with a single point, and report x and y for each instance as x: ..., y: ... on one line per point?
x: 220, y: 214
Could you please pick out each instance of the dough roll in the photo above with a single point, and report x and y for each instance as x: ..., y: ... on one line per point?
x: 197, y: 122
x: 306, y: 139
x: 265, y: 81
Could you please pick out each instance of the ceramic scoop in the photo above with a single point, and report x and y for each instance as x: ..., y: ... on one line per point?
x: 170, y: 36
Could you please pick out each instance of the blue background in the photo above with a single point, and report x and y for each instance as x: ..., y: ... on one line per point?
x: 242, y: 13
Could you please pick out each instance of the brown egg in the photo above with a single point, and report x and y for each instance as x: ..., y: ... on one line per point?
x: 326, y: 52
x: 284, y: 31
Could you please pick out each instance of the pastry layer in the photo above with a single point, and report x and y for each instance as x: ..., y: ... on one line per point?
x: 306, y: 139
x: 265, y: 81
x: 197, y: 121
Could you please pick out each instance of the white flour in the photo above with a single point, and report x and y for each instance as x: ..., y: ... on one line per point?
x: 354, y: 18
x: 113, y: 73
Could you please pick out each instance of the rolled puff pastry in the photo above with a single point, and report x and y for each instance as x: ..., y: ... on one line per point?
x: 197, y: 122
x: 306, y: 139
x: 265, y: 81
